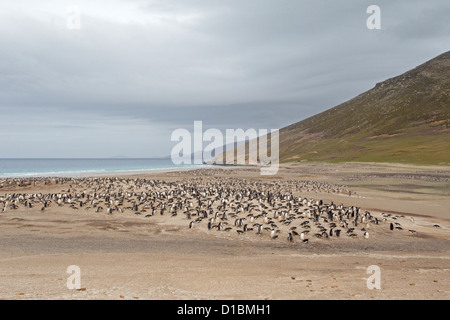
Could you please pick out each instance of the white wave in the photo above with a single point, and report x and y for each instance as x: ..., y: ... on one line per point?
x: 85, y: 173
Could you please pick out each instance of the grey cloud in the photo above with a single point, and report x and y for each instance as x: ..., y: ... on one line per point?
x: 164, y: 64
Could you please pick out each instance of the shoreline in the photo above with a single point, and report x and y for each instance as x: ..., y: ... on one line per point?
x: 104, y: 172
x: 98, y: 173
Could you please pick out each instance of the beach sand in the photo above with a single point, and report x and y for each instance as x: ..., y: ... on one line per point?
x: 128, y: 256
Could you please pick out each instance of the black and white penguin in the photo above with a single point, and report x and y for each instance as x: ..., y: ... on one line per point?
x: 290, y: 238
x: 272, y: 234
x: 260, y: 228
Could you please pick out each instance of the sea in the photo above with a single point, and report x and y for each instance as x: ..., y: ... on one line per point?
x: 22, y: 168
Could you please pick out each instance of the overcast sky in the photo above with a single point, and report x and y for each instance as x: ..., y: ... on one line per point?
x: 137, y: 70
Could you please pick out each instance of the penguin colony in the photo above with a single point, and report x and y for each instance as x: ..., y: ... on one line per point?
x: 268, y: 210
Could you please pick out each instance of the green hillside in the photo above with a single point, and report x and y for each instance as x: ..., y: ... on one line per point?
x: 405, y: 119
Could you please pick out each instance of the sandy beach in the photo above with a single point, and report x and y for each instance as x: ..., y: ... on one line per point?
x: 147, y: 252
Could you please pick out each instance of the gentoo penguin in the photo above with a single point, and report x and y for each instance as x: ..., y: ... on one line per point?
x: 302, y: 236
x: 290, y: 238
x: 391, y: 226
x: 366, y: 235
x: 191, y: 224
x: 272, y: 233
x: 259, y: 229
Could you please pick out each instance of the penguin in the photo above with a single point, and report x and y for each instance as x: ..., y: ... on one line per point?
x: 272, y: 234
x: 366, y: 235
x: 290, y: 238
x: 191, y: 224
x: 260, y: 227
